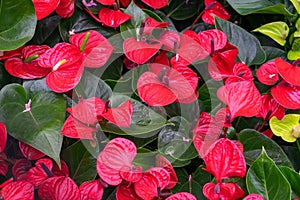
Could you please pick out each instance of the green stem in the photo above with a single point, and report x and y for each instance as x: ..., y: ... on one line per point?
x: 86, y: 38
x: 31, y: 58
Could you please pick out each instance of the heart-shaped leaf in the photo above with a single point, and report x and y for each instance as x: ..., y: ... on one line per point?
x: 19, y: 28
x: 287, y: 95
x: 253, y: 141
x: 265, y: 178
x: 250, y: 50
x: 293, y: 178
x: 181, y: 10
x: 39, y: 124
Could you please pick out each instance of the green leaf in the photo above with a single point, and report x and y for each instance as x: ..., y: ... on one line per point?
x: 17, y: 25
x: 253, y: 141
x: 293, y: 178
x: 288, y: 127
x: 273, y: 52
x: 181, y: 10
x: 278, y: 31
x: 250, y: 50
x: 296, y: 4
x: 294, y: 53
x: 144, y: 119
x: 80, y: 162
x: 265, y: 178
x: 246, y: 7
x: 175, y: 140
x: 40, y: 127
x: 5, y: 78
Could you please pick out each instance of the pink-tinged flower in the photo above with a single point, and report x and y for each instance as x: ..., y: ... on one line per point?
x: 59, y: 188
x: 29, y: 152
x: 3, y: 164
x: 21, y: 168
x: 225, y: 160
x: 156, y: 4
x: 242, y: 98
x: 43, y: 8
x: 95, y: 48
x: 106, y: 2
x: 41, y: 172
x: 112, y: 18
x: 26, y: 66
x: 253, y: 197
x: 182, y: 196
x: 3, y: 137
x: 17, y: 190
x: 65, y: 62
x: 117, y: 154
x: 65, y: 8
x: 163, y: 85
x: 270, y: 108
x: 125, y: 191
x: 91, y: 190
x: 214, y: 8
x: 164, y: 163
x: 268, y: 73
x: 289, y: 72
x: 13, y: 53
x: 140, y: 51
x: 222, y: 191
x: 287, y: 95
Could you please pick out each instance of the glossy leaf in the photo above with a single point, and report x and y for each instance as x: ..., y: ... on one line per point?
x: 3, y: 137
x: 250, y: 50
x: 18, y: 28
x: 253, y: 141
x: 245, y: 7
x: 287, y: 95
x: 181, y: 10
x: 278, y: 31
x: 38, y: 126
x: 296, y: 4
x: 265, y: 178
x: 287, y: 128
x: 293, y: 178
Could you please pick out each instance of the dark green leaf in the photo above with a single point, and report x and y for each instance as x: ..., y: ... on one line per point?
x: 253, y: 141
x: 81, y: 163
x: 273, y: 52
x: 265, y: 178
x: 181, y: 10
x: 250, y: 50
x: 40, y: 127
x: 17, y: 24
x: 293, y: 178
x: 5, y: 78
x: 246, y: 7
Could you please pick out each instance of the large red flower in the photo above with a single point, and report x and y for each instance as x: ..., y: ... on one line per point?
x: 270, y: 108
x: 43, y: 8
x: 287, y: 95
x: 290, y: 73
x: 112, y: 18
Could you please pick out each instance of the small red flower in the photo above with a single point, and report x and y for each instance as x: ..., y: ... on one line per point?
x: 270, y: 108
x: 268, y: 73
x: 17, y: 190
x: 43, y: 8
x: 91, y: 190
x: 29, y: 152
x: 287, y: 95
x: 65, y: 8
x: 214, y: 8
x: 156, y: 4
x: 222, y: 191
x: 112, y: 18
x: 3, y: 137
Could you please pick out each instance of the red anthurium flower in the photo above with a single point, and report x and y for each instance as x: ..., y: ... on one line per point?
x: 163, y: 85
x: 289, y: 72
x: 65, y: 8
x: 162, y: 58
x: 140, y: 51
x: 116, y: 155
x: 270, y: 108
x: 17, y: 190
x: 26, y: 66
x: 95, y: 48
x: 21, y: 168
x: 153, y: 181
x: 164, y: 163
x: 91, y: 190
x: 242, y: 98
x: 156, y: 4
x: 225, y: 160
x: 63, y: 170
x: 131, y: 173
x: 224, y: 191
x: 106, y: 2
x: 287, y: 95
x: 125, y: 191
x: 268, y: 73
x: 170, y: 41
x: 253, y: 197
x: 59, y: 188
x: 150, y: 24
x: 83, y: 119
x: 113, y: 18
x: 212, y: 40
x: 240, y: 72
x: 214, y: 8
x: 3, y: 137
x: 13, y: 53
x: 120, y: 116
x: 268, y: 133
x: 42, y: 171
x: 3, y: 164
x: 182, y: 196
x: 125, y: 3
x: 65, y: 62
x: 43, y: 8
x: 29, y: 152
